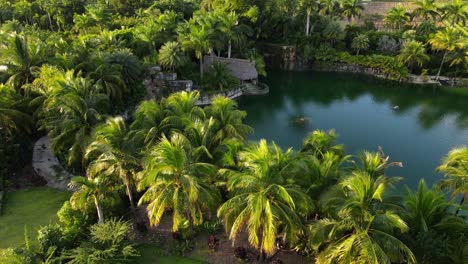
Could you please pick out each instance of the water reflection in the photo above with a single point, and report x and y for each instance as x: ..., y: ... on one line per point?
x: 413, y: 124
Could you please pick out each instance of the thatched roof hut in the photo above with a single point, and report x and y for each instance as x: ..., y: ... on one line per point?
x: 242, y: 69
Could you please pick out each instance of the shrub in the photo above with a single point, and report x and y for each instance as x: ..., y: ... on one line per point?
x: 219, y: 78
x: 108, y: 244
x: 388, y: 45
x: 388, y: 65
x: 50, y: 240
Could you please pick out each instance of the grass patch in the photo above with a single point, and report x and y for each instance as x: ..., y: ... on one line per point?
x: 33, y: 208
x: 151, y: 253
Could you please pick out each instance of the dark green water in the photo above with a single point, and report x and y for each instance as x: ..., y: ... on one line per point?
x: 426, y: 125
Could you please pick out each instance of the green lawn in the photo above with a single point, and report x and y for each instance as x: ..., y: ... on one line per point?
x: 152, y: 254
x: 33, y: 208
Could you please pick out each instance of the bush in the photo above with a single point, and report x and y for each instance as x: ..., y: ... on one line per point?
x: 108, y: 244
x: 219, y: 78
x: 50, y: 240
x: 388, y: 65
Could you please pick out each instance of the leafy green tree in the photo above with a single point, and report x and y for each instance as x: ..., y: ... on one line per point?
x: 320, y: 142
x: 108, y: 244
x: 262, y: 200
x: 91, y: 191
x: 108, y: 80
x: 360, y: 42
x: 171, y: 56
x: 147, y: 125
x: 22, y: 57
x: 70, y: 114
x: 351, y: 9
x: 12, y: 118
x: 197, y: 39
x: 309, y: 6
x: 397, y: 17
x: 327, y: 7
x: 113, y: 154
x: 359, y: 228
x: 173, y: 179
x: 228, y: 120
x: 219, y: 78
x: 333, y: 32
x: 413, y: 53
x: 456, y: 11
x: 426, y: 10
x: 229, y: 27
x: 455, y: 167
x: 446, y: 40
x: 375, y: 163
x: 425, y: 208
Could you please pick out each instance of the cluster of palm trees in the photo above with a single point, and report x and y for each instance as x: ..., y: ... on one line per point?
x: 177, y: 159
x: 451, y: 39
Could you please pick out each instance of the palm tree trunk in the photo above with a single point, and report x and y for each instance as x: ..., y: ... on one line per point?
x: 261, y: 250
x: 229, y: 49
x: 307, y: 23
x: 201, y: 67
x: 99, y: 210
x: 190, y: 220
x: 462, y: 201
x: 441, y: 64
x: 130, y: 196
x: 50, y: 22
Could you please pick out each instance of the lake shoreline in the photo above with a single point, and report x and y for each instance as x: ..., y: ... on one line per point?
x: 428, y: 80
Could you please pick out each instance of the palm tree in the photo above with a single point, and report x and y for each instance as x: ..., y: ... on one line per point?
x: 360, y: 228
x: 413, y: 52
x: 219, y: 78
x: 360, y: 42
x: 309, y: 6
x: 22, y: 58
x: 113, y: 154
x: 70, y: 114
x: 263, y: 202
x: 173, y: 179
x: 12, y: 119
x: 447, y: 40
x: 455, y: 167
x: 333, y: 32
x: 197, y: 39
x: 327, y: 7
x: 456, y: 11
x: 397, y: 17
x: 108, y: 80
x: 91, y: 190
x: 320, y: 142
x: 375, y: 163
x: 228, y: 120
x: 181, y: 109
x: 228, y: 25
x: 351, y: 9
x: 426, y: 9
x: 171, y: 56
x: 147, y: 126
x: 425, y: 208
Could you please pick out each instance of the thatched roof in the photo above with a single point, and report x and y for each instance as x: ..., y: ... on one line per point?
x: 241, y: 69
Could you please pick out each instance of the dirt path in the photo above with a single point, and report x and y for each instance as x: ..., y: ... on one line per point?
x: 46, y: 165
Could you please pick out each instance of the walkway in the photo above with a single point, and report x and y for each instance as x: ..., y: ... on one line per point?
x: 46, y: 165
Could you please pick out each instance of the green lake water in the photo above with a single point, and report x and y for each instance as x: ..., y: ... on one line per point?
x: 427, y: 124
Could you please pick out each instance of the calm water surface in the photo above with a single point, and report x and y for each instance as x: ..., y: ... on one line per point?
x: 426, y: 125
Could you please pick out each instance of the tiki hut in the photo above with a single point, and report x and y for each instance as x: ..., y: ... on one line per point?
x: 242, y: 69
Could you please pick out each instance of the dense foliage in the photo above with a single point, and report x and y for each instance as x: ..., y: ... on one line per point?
x: 74, y: 70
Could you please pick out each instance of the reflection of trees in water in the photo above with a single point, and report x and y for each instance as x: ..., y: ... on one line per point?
x: 327, y: 88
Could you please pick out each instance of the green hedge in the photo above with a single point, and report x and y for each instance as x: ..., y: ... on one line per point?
x: 388, y: 65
